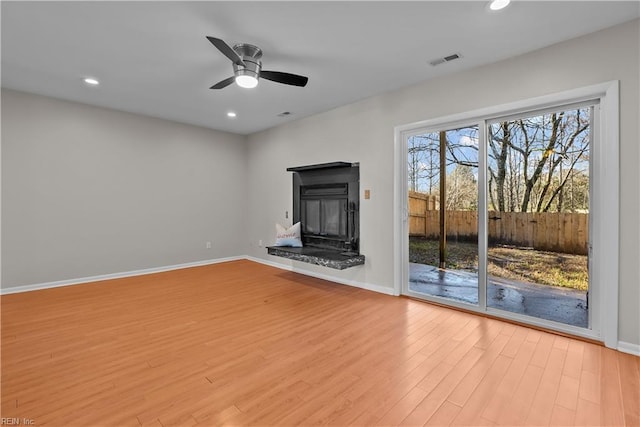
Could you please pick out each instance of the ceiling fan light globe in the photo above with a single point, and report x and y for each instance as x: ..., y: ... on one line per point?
x: 247, y: 82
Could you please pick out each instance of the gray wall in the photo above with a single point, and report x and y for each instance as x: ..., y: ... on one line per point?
x: 89, y: 191
x: 364, y: 132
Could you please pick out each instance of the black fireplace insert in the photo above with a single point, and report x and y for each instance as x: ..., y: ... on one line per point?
x: 326, y: 203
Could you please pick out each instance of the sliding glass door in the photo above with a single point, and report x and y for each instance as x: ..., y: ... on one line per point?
x: 443, y: 214
x: 498, y: 214
x: 538, y: 173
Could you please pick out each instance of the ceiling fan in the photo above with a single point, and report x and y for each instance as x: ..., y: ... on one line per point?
x: 247, y: 67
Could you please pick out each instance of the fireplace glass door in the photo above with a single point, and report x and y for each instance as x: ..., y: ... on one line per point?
x: 324, y: 212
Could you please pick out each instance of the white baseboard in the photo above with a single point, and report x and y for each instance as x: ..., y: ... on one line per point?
x: 81, y: 280
x: 355, y: 283
x: 627, y: 347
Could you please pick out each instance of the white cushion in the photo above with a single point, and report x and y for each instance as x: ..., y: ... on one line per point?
x: 288, y: 236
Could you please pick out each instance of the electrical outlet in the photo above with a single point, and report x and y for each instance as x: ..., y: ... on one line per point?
x: 208, y: 245
x: 260, y: 243
x: 286, y: 214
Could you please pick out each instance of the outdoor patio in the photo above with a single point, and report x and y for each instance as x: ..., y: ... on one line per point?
x: 563, y: 305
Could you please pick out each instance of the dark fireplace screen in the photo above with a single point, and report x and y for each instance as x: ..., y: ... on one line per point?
x: 324, y: 211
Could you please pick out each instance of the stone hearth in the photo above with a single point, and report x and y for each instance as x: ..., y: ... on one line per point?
x: 318, y: 256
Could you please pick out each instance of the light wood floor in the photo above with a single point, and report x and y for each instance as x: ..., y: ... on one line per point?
x: 240, y: 343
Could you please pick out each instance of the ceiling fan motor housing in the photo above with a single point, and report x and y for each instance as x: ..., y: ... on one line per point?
x: 250, y: 55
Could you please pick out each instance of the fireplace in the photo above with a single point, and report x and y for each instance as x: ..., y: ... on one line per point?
x: 326, y: 203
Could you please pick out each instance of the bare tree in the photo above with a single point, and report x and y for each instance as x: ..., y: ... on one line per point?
x: 462, y: 189
x: 499, y: 144
x: 532, y: 159
x: 423, y: 166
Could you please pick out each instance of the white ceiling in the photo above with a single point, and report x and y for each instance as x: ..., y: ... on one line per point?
x: 152, y: 58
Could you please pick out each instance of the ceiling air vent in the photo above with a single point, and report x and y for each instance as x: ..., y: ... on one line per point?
x: 445, y: 59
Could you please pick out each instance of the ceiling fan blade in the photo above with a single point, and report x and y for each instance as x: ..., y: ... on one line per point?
x: 286, y: 78
x: 224, y: 83
x: 226, y: 51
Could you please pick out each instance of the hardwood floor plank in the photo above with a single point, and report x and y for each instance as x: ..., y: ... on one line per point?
x: 241, y: 343
x: 441, y: 387
x: 573, y: 362
x: 630, y: 388
x: 591, y: 358
x: 361, y: 396
x: 316, y: 399
x: 542, y: 351
x: 491, y: 328
x: 504, y: 391
x: 444, y: 415
x: 515, y: 342
x: 365, y: 419
x: 568, y: 389
x: 587, y: 413
x: 481, y: 395
x: 545, y: 395
x: 272, y: 406
x: 207, y: 417
x: 561, y: 343
x: 561, y: 416
x: 398, y: 387
x: 611, y: 406
x: 460, y: 395
x: 589, y: 387
x: 516, y: 407
x: 404, y: 407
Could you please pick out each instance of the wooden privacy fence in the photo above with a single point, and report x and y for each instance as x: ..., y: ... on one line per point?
x: 548, y: 231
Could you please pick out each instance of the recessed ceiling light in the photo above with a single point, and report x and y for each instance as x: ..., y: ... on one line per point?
x: 231, y: 114
x: 91, y: 81
x: 499, y: 4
